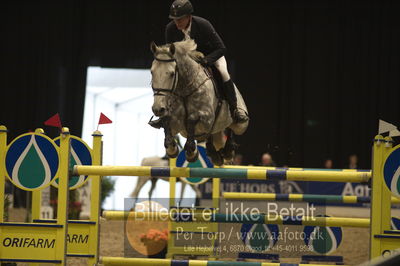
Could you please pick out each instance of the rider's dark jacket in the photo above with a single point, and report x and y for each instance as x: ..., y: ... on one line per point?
x: 207, y: 39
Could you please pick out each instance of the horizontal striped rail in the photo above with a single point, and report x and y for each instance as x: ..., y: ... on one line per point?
x: 311, y: 198
x: 294, y: 168
x: 170, y: 262
x: 237, y: 218
x: 229, y: 173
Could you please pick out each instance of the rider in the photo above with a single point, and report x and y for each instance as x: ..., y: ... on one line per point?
x: 185, y: 26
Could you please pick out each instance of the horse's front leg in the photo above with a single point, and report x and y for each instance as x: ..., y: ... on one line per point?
x: 190, y: 145
x: 169, y: 140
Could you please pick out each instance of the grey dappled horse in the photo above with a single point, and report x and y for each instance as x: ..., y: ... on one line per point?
x: 186, y: 100
x: 159, y: 162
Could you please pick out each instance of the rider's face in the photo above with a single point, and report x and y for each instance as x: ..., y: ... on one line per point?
x: 182, y: 23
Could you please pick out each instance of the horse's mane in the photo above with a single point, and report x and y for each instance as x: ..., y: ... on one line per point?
x: 182, y: 48
x: 186, y: 46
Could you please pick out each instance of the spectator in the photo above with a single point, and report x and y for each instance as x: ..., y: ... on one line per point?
x: 353, y: 160
x: 328, y: 164
x: 266, y: 160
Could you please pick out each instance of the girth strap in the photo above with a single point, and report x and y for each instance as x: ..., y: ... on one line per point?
x: 219, y: 104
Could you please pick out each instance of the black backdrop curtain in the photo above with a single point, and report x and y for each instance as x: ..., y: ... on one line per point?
x: 316, y: 75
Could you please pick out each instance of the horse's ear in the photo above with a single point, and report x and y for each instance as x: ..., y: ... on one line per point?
x: 153, y: 47
x: 172, y: 49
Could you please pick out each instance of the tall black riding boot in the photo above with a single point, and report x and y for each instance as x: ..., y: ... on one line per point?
x: 238, y: 115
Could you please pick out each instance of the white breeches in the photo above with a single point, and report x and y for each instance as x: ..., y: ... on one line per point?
x: 222, y: 67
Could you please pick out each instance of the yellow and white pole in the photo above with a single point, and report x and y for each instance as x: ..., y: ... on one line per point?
x: 381, y: 196
x: 95, y: 194
x: 36, y: 194
x: 62, y: 206
x: 3, y: 145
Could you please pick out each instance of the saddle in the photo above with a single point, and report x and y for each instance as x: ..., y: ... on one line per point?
x: 213, y: 73
x: 215, y: 76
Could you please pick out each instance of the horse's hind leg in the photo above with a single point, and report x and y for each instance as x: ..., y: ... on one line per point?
x: 183, y: 186
x: 230, y: 146
x: 153, y: 186
x: 140, y: 183
x: 214, y: 155
x: 198, y: 194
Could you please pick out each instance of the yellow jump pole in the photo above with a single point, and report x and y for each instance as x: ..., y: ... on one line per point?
x: 237, y: 218
x: 216, y: 194
x: 36, y: 201
x: 380, y: 204
x: 300, y: 197
x: 228, y: 173
x: 95, y: 191
x: 172, y: 202
x: 36, y: 195
x: 168, y: 262
x: 63, y: 188
x: 172, y: 186
x: 291, y: 168
x: 3, y: 145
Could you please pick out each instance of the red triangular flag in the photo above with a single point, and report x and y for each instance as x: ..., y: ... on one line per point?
x: 104, y: 119
x: 54, y: 121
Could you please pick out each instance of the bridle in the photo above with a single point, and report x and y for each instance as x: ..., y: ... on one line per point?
x: 165, y: 91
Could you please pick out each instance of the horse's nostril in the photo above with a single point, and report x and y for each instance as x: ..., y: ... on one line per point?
x: 162, y: 111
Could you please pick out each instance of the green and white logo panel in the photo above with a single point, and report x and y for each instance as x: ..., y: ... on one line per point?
x: 32, y: 161
x: 391, y: 171
x: 259, y: 237
x: 323, y: 239
x: 80, y: 154
x: 202, y: 162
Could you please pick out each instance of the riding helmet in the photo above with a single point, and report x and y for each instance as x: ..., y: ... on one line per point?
x: 180, y: 8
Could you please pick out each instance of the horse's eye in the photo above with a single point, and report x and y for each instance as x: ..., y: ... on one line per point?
x: 171, y: 74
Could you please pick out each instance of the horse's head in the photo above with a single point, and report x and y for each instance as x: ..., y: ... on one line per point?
x: 164, y: 74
